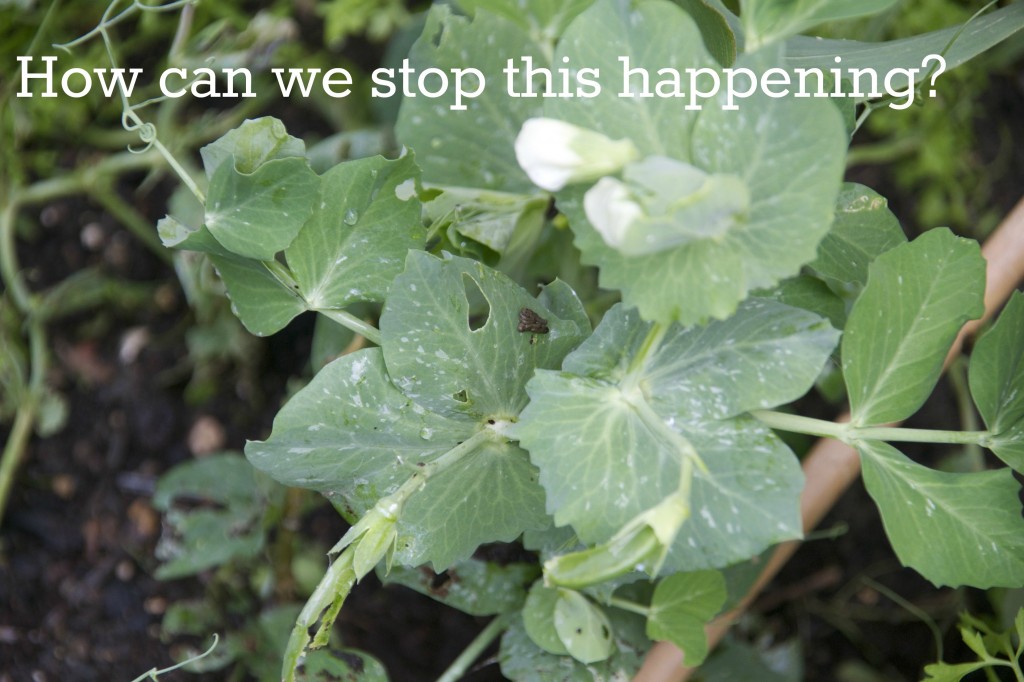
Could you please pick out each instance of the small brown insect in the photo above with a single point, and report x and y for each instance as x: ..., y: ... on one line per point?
x: 530, y: 321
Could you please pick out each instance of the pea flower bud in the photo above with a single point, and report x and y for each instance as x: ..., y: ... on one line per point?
x: 554, y: 153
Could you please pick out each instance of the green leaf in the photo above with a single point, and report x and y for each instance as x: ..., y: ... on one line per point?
x: 440, y: 361
x: 356, y: 241
x: 765, y: 355
x: 994, y: 649
x: 811, y: 294
x: 340, y: 664
x: 607, y: 453
x: 681, y: 606
x: 473, y: 586
x: 652, y: 35
x: 258, y: 214
x: 582, y: 627
x: 354, y: 436
x: 351, y: 434
x: 227, y: 526
x: 718, y: 36
x: 490, y: 496
x: 788, y: 154
x: 523, y: 661
x: 542, y: 19
x: 954, y: 529
x: 539, y: 618
x: 748, y: 500
x: 767, y: 21
x: 263, y: 303
x: 472, y: 147
x: 979, y: 35
x: 950, y: 672
x: 864, y: 229
x: 488, y: 217
x: 997, y: 382
x: 251, y: 145
x: 176, y: 235
x: 917, y: 297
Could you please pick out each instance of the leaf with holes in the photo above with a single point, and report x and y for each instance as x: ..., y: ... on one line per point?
x: 458, y: 361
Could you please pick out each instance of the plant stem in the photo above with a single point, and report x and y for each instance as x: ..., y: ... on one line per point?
x: 460, y: 665
x: 630, y: 606
x: 24, y: 420
x: 648, y: 347
x: 353, y: 323
x: 850, y: 434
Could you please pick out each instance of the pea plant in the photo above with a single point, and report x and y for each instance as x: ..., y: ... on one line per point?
x: 588, y: 318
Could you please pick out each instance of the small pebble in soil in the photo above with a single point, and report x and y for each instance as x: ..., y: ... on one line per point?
x: 93, y: 237
x: 207, y: 435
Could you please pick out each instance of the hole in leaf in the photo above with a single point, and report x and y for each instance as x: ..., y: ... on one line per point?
x: 461, y: 396
x: 479, y: 309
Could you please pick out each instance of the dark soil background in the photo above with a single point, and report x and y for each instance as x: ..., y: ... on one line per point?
x: 77, y: 600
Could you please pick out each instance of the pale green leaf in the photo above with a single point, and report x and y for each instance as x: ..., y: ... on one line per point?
x: 227, y: 526
x: 352, y: 435
x: 864, y: 229
x: 355, y: 437
x: 523, y: 661
x: 176, y: 235
x: 259, y: 298
x: 766, y: 21
x: 356, y: 241
x: 652, y: 36
x: 954, y: 529
x: 811, y: 294
x: 788, y: 154
x: 950, y: 672
x: 714, y: 28
x: 439, y: 360
x: 748, y: 500
x: 488, y: 217
x: 607, y: 454
x: 471, y: 147
x: 251, y: 145
x: 997, y: 382
x: 582, y: 627
x: 539, y: 619
x: 765, y: 355
x: 682, y: 605
x: 340, y: 664
x: 258, y: 214
x: 542, y: 19
x: 907, y: 53
x: 491, y: 495
x: 917, y: 297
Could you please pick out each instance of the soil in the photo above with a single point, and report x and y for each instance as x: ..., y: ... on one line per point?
x: 77, y: 596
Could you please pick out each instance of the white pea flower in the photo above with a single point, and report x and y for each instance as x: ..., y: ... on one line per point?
x: 662, y: 204
x: 555, y: 153
x: 611, y: 210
